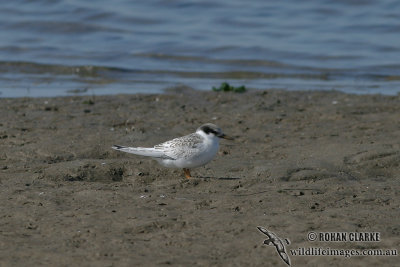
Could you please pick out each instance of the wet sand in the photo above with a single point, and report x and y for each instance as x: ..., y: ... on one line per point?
x: 301, y: 162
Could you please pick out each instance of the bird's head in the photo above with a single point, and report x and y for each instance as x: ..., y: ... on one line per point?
x: 213, y: 130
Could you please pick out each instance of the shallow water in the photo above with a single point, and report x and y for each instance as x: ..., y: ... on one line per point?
x: 69, y: 47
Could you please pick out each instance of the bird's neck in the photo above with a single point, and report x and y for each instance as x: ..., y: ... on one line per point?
x: 210, y: 138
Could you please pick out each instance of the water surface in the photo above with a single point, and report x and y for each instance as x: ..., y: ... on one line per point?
x: 68, y: 47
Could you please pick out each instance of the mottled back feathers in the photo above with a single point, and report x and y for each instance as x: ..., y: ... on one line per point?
x: 182, y: 147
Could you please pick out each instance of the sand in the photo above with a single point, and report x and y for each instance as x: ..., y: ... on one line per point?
x: 301, y: 162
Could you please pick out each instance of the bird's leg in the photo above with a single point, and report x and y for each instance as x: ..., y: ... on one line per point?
x: 187, y: 173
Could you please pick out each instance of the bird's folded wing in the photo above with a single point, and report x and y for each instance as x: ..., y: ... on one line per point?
x: 143, y: 151
x: 180, y: 148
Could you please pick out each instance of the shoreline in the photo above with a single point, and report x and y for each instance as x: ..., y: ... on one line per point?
x: 302, y: 161
x: 179, y: 88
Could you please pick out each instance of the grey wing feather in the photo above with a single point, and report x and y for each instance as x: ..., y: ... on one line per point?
x: 143, y: 151
x: 182, y: 147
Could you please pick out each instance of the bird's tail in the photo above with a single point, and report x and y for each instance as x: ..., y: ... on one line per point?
x: 143, y: 151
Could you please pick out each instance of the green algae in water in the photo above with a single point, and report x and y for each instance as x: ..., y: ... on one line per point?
x: 226, y: 87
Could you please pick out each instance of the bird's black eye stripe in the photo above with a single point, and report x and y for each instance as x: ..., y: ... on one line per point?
x: 208, y: 130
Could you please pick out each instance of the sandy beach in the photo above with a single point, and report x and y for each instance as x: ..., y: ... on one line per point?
x: 301, y: 162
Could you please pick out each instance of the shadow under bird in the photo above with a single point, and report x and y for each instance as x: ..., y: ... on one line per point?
x: 186, y: 152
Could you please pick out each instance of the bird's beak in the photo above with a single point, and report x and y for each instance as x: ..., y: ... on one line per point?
x: 225, y: 137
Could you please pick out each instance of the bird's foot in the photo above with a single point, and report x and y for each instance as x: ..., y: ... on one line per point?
x: 187, y: 173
